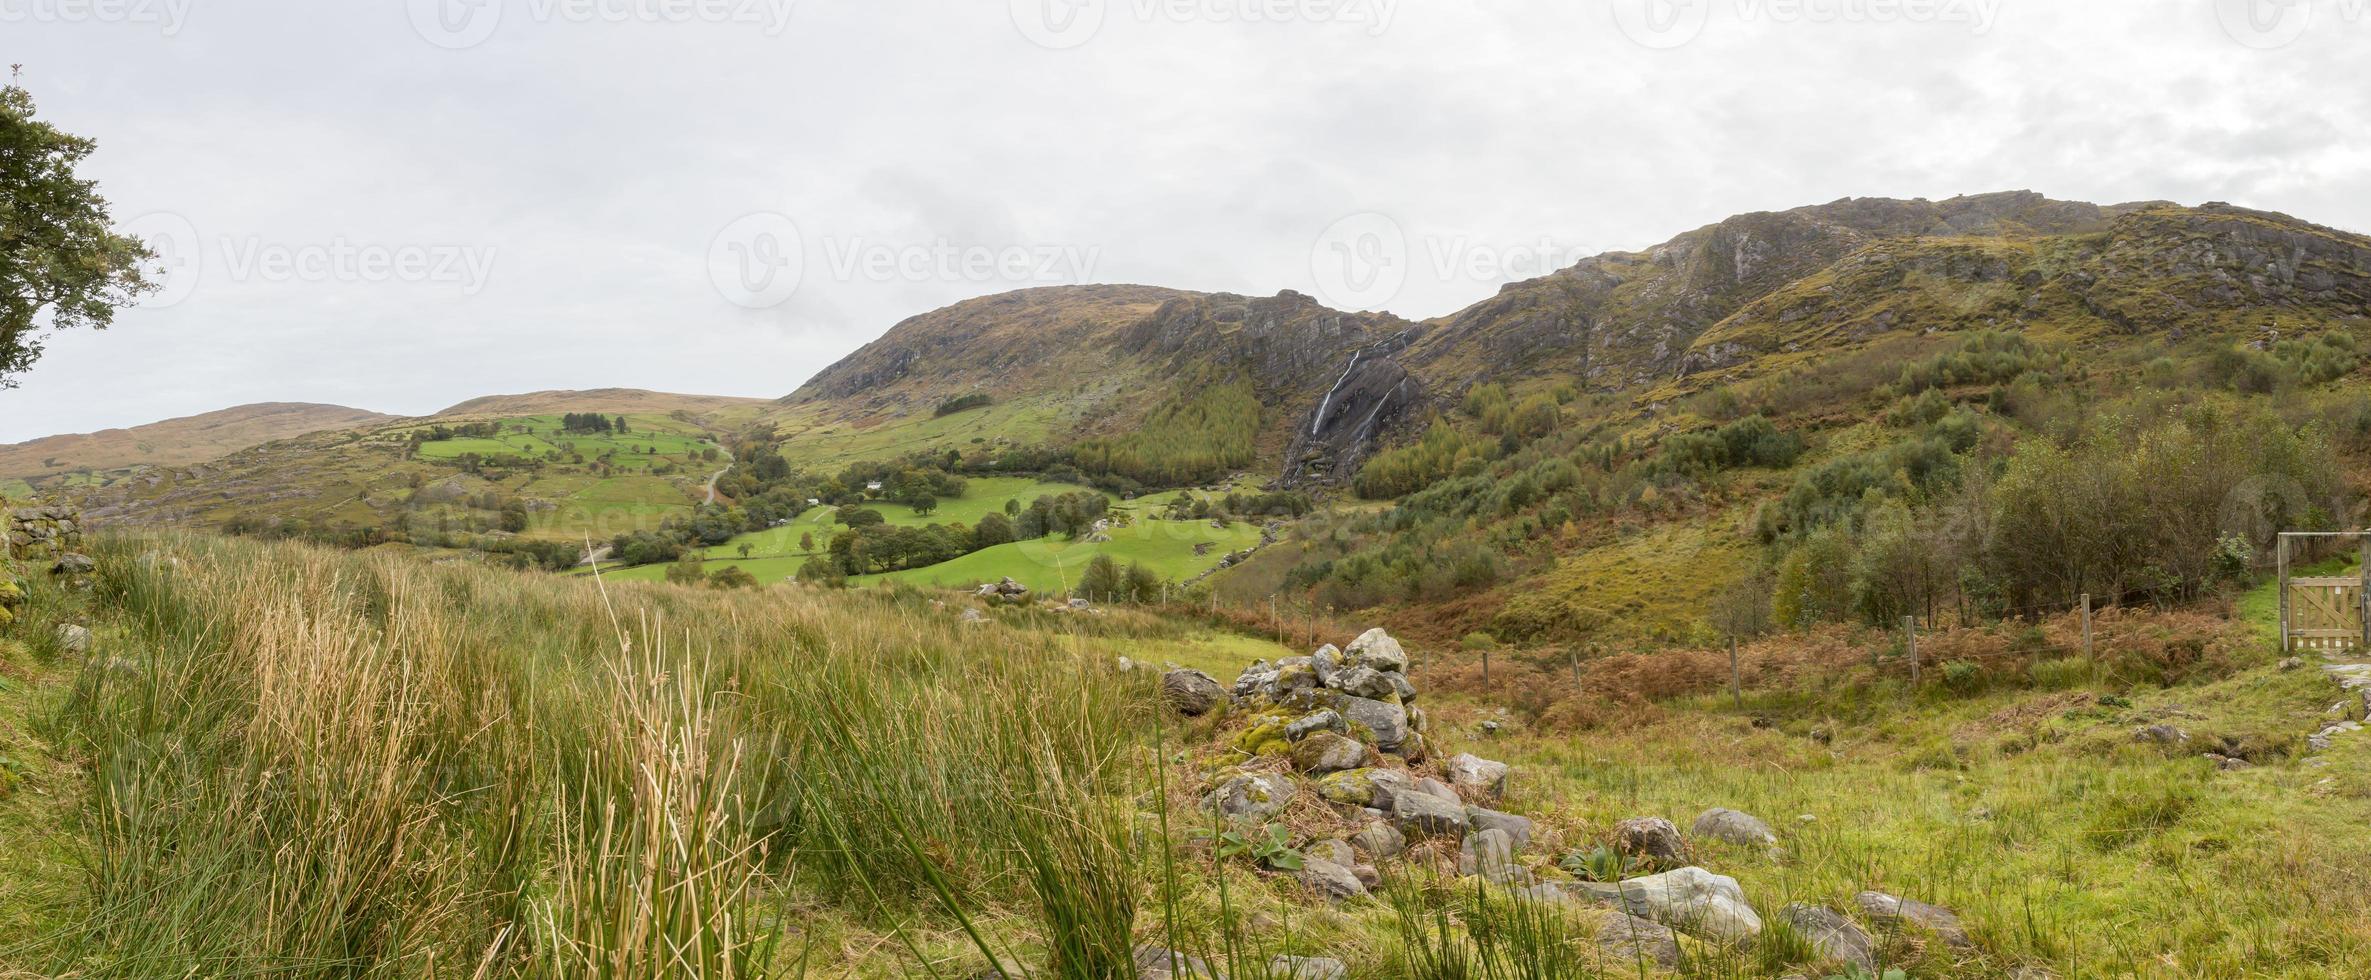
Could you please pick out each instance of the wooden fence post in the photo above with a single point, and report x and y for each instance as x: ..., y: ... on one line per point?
x: 1910, y: 639
x: 2281, y: 548
x: 1576, y: 669
x: 2087, y: 626
x: 1485, y: 667
x: 2363, y: 592
x: 1736, y: 680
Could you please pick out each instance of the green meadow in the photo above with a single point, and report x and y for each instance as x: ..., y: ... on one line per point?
x: 652, y: 440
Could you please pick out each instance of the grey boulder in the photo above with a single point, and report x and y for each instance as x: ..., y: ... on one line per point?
x: 1653, y: 838
x: 1478, y: 776
x: 1425, y: 815
x: 1252, y: 797
x: 1191, y: 692
x: 1691, y: 900
x: 1892, y: 911
x: 1742, y: 829
x: 1834, y: 936
x: 1375, y: 648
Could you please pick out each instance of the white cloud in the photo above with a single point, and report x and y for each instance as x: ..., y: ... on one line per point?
x: 1189, y: 145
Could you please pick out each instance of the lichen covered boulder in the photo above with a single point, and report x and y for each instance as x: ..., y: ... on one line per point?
x: 1326, y: 752
x: 1376, y: 649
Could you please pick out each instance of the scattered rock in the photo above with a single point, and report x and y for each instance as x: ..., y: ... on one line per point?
x: 1191, y: 692
x: 2228, y: 763
x: 1379, y: 840
x: 1891, y: 911
x: 1375, y: 648
x: 1478, y: 776
x: 73, y: 639
x: 1489, y: 728
x: 1307, y: 968
x: 1330, y: 881
x: 2161, y: 734
x: 1834, y: 936
x: 73, y: 563
x: 1689, y: 899
x: 2291, y: 663
x: 974, y: 616
x: 1368, y: 876
x: 1252, y: 797
x: 1653, y: 838
x: 1742, y: 829
x: 1635, y: 939
x: 1426, y: 815
x: 1326, y: 752
x: 1518, y: 828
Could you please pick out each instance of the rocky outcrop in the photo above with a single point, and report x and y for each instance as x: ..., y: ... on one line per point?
x: 1373, y: 392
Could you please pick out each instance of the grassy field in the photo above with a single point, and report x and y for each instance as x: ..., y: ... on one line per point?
x: 1165, y: 546
x: 1049, y: 565
x: 651, y: 440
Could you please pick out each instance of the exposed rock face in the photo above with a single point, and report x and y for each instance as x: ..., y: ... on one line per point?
x: 1372, y: 393
x: 1692, y: 900
x: 1892, y: 911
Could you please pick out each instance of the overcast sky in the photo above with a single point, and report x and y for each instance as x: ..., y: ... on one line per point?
x: 400, y: 205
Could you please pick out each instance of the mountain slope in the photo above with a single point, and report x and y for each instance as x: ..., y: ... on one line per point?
x: 177, y: 442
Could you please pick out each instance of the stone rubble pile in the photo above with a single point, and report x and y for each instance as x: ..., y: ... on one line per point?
x: 1336, y: 740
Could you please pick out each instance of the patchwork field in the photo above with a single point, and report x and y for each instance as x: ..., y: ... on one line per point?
x: 651, y: 440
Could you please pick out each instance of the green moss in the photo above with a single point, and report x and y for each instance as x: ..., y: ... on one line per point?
x: 1352, y: 787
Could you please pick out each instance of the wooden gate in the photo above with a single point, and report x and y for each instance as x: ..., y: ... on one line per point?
x: 2325, y: 613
